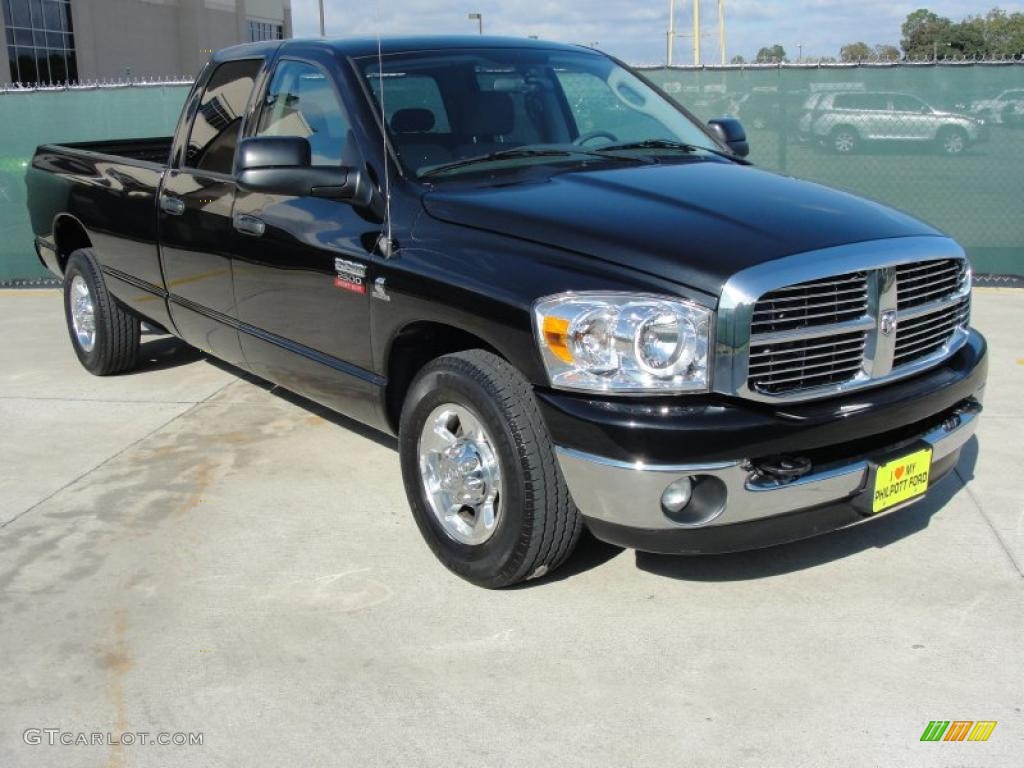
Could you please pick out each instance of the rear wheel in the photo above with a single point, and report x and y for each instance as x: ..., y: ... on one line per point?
x: 105, y: 336
x: 844, y: 140
x: 480, y: 472
x: 952, y: 141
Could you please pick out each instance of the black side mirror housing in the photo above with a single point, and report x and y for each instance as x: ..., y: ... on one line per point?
x: 280, y: 165
x: 730, y: 131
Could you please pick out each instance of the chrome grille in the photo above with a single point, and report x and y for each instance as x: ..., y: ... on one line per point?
x: 821, y: 336
x: 918, y: 284
x: 807, y: 363
x: 817, y: 302
x: 920, y: 336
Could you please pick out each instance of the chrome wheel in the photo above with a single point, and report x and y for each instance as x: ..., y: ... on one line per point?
x: 83, y: 314
x: 954, y: 143
x: 845, y: 142
x: 461, y: 474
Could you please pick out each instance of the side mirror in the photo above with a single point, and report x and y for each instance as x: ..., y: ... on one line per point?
x: 280, y: 165
x: 731, y: 133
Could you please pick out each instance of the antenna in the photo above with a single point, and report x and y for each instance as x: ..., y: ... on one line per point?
x: 386, y: 246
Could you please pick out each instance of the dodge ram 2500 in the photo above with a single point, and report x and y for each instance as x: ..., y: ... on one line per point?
x: 573, y: 303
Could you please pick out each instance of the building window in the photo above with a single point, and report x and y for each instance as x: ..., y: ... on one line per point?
x: 40, y: 41
x: 262, y: 30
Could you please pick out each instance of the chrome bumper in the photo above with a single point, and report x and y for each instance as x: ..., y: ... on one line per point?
x: 630, y: 494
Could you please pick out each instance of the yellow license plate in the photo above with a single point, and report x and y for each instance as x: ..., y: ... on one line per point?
x: 901, y: 480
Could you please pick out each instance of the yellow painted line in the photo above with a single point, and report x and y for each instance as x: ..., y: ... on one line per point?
x: 995, y: 289
x: 29, y: 291
x: 1020, y: 361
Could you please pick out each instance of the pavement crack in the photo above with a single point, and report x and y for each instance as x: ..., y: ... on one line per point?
x: 988, y: 522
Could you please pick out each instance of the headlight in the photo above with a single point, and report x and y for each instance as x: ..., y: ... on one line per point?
x: 613, y: 342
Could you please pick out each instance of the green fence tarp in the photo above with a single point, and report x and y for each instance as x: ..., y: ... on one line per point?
x: 903, y: 120
x: 54, y: 116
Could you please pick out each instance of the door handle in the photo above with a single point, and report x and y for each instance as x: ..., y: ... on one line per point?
x: 173, y: 206
x: 250, y: 225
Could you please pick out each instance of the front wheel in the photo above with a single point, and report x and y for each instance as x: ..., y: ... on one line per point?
x: 481, y: 474
x: 105, y: 337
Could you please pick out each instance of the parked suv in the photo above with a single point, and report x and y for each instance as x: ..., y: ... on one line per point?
x: 845, y: 120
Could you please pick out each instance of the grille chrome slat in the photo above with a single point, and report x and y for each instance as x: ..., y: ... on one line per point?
x: 859, y: 300
x: 823, y: 295
x: 777, y: 360
x: 811, y: 376
x: 827, y: 344
x: 813, y: 336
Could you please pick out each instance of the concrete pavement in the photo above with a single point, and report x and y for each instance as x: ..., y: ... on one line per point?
x: 187, y: 550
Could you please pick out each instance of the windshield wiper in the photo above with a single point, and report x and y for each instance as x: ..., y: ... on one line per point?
x: 674, y: 145
x: 518, y: 152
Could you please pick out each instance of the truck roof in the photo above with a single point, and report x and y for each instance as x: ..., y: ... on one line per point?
x: 368, y: 46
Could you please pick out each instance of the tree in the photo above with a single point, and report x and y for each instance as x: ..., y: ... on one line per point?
x: 738, y: 60
x: 924, y: 33
x: 997, y: 34
x: 887, y: 53
x: 771, y: 55
x: 1004, y: 33
x: 855, y: 52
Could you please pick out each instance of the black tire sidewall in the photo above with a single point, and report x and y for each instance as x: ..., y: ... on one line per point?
x: 496, y: 561
x: 81, y: 264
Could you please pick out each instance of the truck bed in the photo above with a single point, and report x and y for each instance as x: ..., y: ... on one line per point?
x: 155, y: 150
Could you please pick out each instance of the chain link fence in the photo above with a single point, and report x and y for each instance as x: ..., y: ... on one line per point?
x: 944, y: 142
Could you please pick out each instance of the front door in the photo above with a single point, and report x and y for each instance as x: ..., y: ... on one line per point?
x: 302, y: 264
x: 195, y: 205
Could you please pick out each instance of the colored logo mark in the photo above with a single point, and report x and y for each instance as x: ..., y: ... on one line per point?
x: 958, y: 730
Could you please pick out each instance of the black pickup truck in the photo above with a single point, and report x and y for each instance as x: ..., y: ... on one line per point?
x: 574, y: 304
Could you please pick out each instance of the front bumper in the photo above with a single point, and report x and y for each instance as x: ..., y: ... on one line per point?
x: 620, y: 495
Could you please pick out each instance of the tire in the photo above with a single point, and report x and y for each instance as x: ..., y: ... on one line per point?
x: 952, y: 141
x: 105, y: 336
x: 535, y: 526
x: 844, y: 140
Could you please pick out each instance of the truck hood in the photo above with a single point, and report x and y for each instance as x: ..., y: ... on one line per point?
x: 696, y: 223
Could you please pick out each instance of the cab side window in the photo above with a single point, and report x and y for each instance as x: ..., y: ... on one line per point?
x: 214, y: 134
x: 301, y: 102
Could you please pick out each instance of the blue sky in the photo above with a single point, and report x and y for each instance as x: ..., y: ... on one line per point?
x: 635, y: 31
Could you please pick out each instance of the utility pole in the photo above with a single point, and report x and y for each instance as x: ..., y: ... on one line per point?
x: 800, y: 52
x: 696, y: 33
x: 323, y: 31
x: 721, y: 31
x: 671, y: 31
x: 479, y: 21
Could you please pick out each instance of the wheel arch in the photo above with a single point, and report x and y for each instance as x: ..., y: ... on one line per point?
x: 69, y: 235
x: 414, y: 345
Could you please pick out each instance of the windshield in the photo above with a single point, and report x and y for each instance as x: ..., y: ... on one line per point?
x: 444, y: 107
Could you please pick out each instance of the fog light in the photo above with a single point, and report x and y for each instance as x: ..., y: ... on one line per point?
x: 677, y: 496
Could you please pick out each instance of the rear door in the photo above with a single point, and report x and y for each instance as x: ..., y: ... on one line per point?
x: 195, y: 203
x: 912, y: 118
x: 302, y: 264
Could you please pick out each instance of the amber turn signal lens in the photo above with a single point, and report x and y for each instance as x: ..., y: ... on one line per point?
x: 556, y: 335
